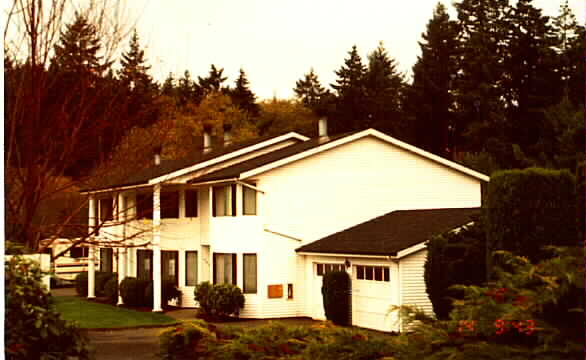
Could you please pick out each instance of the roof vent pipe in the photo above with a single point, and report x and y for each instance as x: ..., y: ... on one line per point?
x: 322, y: 127
x: 227, y: 134
x: 207, y: 138
x: 158, y: 155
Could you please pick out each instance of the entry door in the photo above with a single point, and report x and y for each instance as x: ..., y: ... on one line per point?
x: 371, y: 297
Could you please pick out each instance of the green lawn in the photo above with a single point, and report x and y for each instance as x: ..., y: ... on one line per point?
x: 91, y: 315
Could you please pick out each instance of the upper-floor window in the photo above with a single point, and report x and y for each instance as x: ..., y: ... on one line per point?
x: 106, y: 210
x: 248, y: 200
x: 224, y: 200
x: 190, y: 203
x: 169, y: 205
x: 144, y: 206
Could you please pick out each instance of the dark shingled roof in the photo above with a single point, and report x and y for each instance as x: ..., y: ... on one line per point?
x: 169, y: 166
x: 235, y: 170
x: 393, y: 232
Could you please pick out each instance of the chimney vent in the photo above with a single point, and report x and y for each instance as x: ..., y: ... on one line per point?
x: 322, y: 127
x: 227, y: 134
x: 207, y: 139
x: 157, y: 152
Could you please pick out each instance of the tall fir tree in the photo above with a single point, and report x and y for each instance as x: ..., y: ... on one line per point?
x: 169, y: 87
x: 384, y: 89
x: 350, y: 92
x: 187, y: 90
x: 133, y: 73
x: 242, y: 96
x: 213, y: 82
x: 311, y: 93
x: 429, y: 100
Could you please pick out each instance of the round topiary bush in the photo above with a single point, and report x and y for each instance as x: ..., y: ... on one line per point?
x: 36, y: 330
x: 132, y: 291
x: 81, y: 284
x: 219, y: 300
x: 111, y: 289
x: 336, y: 297
x: 101, y: 280
x: 168, y: 292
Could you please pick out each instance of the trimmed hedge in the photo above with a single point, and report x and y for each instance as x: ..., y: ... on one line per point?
x: 529, y: 209
x: 81, y: 284
x: 218, y: 300
x: 132, y: 291
x: 336, y: 297
x: 111, y: 289
x: 101, y: 278
x: 454, y: 258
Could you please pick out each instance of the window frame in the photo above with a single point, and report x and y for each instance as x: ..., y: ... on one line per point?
x: 233, y: 202
x: 73, y: 252
x: 324, y: 268
x: 232, y: 257
x: 169, y: 204
x: 187, y: 269
x: 245, y: 290
x: 246, y: 189
x: 369, y: 273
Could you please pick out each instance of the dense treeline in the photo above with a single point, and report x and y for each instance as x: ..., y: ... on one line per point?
x: 499, y: 87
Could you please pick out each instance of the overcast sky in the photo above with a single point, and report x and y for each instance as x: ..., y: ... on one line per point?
x: 277, y: 41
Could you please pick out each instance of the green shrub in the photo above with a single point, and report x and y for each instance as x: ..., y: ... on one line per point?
x: 336, y: 297
x: 169, y: 291
x: 35, y: 330
x: 101, y: 280
x: 219, y: 300
x: 182, y: 340
x: 454, y: 257
x: 111, y: 289
x: 132, y: 291
x: 529, y: 209
x: 81, y: 284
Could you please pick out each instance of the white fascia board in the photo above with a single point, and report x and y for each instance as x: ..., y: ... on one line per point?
x: 367, y: 132
x: 410, y: 250
x: 386, y: 257
x: 228, y: 156
x: 214, y: 182
x: 114, y: 189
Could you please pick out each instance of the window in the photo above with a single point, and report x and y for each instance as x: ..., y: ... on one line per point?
x: 248, y: 200
x: 190, y: 268
x: 190, y: 203
x: 376, y: 273
x: 170, y: 265
x: 106, y: 210
x: 144, y: 264
x: 289, y: 291
x: 79, y: 252
x: 225, y: 268
x: 224, y: 200
x: 144, y: 206
x: 170, y: 205
x: 249, y: 280
x: 106, y: 257
x: 326, y: 268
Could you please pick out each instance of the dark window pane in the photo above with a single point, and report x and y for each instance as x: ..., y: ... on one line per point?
x: 169, y: 265
x: 144, y: 264
x: 106, y: 210
x: 320, y: 269
x: 190, y: 203
x: 169, y: 205
x: 144, y: 206
x: 386, y: 276
x: 378, y: 273
x: 360, y: 272
x: 369, y: 272
x: 190, y: 268
x: 106, y: 257
x: 249, y: 273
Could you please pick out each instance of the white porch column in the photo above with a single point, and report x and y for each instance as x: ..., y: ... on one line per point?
x: 121, y: 216
x: 157, y: 248
x: 91, y: 278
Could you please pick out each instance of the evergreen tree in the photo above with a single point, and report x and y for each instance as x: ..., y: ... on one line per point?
x: 310, y: 92
x: 383, y: 86
x: 134, y: 70
x: 242, y: 96
x: 213, y: 82
x: 429, y: 98
x: 78, y: 51
x: 187, y: 90
x: 168, y: 88
x: 350, y: 94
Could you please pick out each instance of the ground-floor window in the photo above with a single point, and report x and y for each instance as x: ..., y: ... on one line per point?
x: 224, y: 268
x: 144, y: 262
x: 190, y: 268
x: 375, y: 273
x: 106, y: 259
x: 326, y: 268
x: 170, y: 265
x: 249, y: 267
x: 79, y: 252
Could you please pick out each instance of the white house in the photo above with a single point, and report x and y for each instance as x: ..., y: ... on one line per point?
x: 262, y: 215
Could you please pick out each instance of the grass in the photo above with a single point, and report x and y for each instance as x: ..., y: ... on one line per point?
x: 91, y: 315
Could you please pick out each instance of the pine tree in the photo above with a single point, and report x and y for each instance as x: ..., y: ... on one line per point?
x: 242, y: 96
x: 350, y: 94
x: 168, y: 88
x: 310, y: 92
x: 213, y: 82
x: 78, y: 51
x: 187, y: 90
x: 384, y: 91
x: 134, y: 70
x: 429, y: 98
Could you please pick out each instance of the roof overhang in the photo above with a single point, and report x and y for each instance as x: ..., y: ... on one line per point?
x: 373, y: 256
x: 368, y: 132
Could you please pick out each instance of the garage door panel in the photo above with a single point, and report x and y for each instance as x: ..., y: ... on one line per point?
x: 371, y: 302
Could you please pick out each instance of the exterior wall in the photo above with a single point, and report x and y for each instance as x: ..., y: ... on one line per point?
x: 413, y: 290
x: 347, y: 185
x: 66, y: 267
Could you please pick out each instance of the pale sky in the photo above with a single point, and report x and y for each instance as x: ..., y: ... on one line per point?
x: 277, y: 41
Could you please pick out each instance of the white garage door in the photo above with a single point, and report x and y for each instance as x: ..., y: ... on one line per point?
x: 371, y: 297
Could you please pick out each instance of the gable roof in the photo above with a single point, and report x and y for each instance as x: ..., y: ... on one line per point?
x: 168, y: 168
x: 390, y: 233
x: 299, y: 151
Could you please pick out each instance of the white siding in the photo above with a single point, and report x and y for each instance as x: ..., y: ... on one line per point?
x: 355, y: 182
x: 413, y: 291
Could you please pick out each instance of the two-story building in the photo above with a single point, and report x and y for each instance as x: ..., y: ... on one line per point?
x: 268, y: 216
